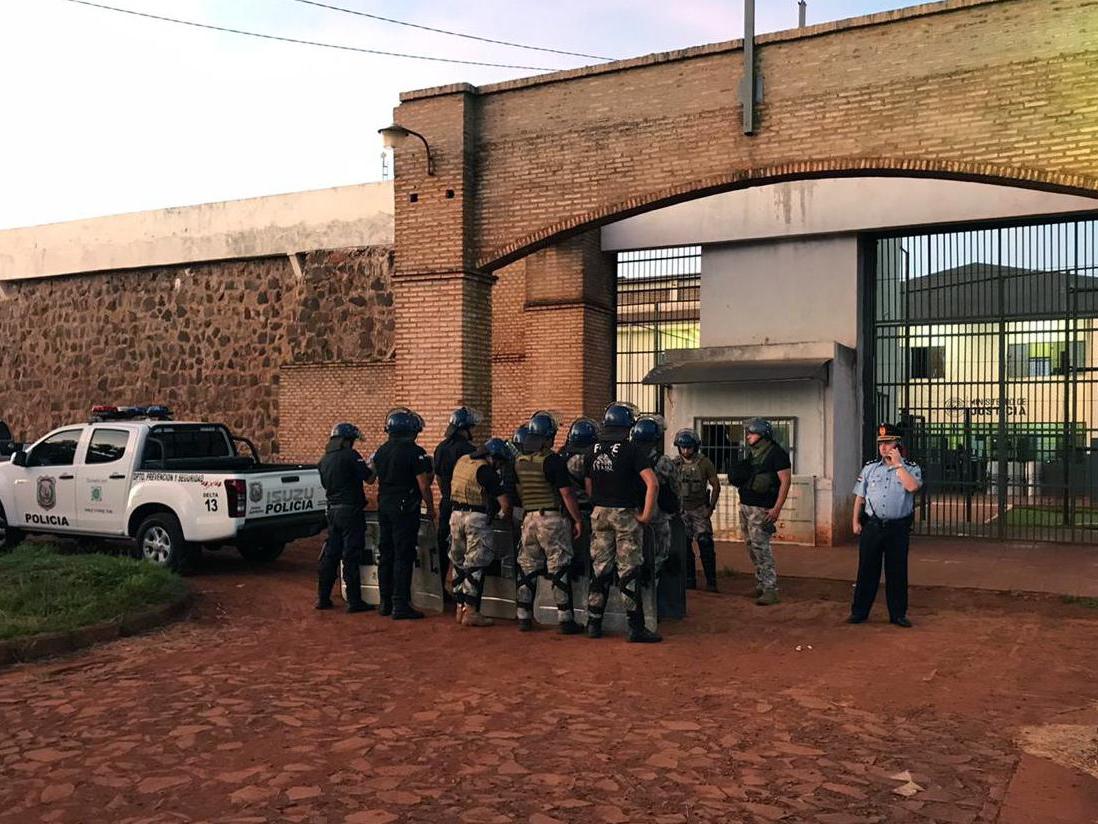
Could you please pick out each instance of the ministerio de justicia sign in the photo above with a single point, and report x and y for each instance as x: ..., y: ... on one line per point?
x: 987, y: 407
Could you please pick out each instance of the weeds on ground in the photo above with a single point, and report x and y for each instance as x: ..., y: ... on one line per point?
x: 1080, y: 600
x: 42, y: 590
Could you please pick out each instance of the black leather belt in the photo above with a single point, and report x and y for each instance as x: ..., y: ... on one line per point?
x: 544, y: 511
x: 467, y: 508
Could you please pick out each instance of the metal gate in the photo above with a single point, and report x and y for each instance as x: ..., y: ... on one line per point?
x: 658, y: 293
x: 982, y: 348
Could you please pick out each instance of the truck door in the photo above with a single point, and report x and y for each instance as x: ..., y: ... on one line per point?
x: 45, y: 489
x: 103, y: 481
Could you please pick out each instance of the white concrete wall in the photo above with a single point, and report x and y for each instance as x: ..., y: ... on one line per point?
x: 780, y: 292
x: 360, y: 215
x: 835, y: 205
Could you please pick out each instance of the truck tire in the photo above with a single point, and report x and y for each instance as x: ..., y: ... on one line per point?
x: 261, y: 553
x: 160, y: 540
x: 9, y: 536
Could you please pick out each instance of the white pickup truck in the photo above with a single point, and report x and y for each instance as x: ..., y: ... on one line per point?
x: 171, y: 486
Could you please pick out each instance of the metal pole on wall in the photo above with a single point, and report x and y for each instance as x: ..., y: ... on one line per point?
x: 748, y: 88
x: 802, y: 13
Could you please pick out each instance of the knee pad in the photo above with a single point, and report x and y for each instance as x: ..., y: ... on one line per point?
x: 458, y: 583
x: 630, y: 584
x: 563, y: 584
x: 529, y: 582
x: 476, y: 575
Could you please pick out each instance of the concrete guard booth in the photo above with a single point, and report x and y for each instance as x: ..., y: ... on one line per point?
x: 809, y: 385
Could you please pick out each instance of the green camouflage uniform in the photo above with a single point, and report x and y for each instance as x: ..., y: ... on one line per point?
x: 546, y: 543
x: 471, y: 545
x: 616, y: 536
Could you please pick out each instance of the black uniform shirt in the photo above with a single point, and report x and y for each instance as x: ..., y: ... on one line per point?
x: 398, y: 462
x: 342, y: 474
x: 447, y: 454
x: 556, y: 471
x: 614, y: 468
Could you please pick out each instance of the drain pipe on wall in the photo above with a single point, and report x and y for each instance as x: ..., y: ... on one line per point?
x: 747, y: 89
x: 802, y: 13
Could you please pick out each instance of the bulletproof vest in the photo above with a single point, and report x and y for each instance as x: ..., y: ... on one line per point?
x: 760, y: 481
x: 536, y: 492
x: 464, y: 488
x: 693, y: 482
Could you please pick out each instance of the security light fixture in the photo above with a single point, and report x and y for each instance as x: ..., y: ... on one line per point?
x: 393, y: 135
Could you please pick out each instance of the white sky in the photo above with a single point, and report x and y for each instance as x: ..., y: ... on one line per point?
x: 105, y: 112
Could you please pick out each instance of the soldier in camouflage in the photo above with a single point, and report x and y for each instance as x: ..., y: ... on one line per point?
x: 647, y: 434
x: 700, y: 490
x: 546, y: 547
x: 619, y: 479
x: 475, y: 495
x: 762, y: 497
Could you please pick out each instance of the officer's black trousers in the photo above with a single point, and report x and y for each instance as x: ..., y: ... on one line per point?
x: 445, y: 510
x: 399, y: 533
x: 346, y: 542
x: 888, y: 542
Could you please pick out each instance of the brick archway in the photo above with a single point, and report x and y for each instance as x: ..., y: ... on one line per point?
x: 998, y: 91
x: 1073, y: 184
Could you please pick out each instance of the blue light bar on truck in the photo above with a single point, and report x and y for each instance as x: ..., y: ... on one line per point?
x: 129, y: 413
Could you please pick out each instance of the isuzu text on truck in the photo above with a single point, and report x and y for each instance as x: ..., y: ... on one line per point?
x: 171, y: 486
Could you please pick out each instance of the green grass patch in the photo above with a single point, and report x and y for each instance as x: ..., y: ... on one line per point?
x: 43, y: 590
x: 1052, y: 517
x: 1080, y: 600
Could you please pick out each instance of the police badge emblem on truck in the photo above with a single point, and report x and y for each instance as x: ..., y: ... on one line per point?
x: 47, y: 493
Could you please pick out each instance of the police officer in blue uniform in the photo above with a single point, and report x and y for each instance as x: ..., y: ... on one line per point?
x: 884, y: 507
x: 342, y: 473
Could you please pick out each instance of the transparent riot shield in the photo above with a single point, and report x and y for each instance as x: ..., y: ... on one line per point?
x: 614, y: 618
x: 500, y: 590
x: 426, y: 575
x: 671, y: 580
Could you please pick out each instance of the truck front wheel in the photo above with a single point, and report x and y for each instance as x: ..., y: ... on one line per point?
x: 9, y: 536
x: 261, y: 553
x: 160, y: 540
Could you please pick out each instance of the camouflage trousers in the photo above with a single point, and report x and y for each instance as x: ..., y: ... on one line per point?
x: 471, y: 551
x: 753, y: 524
x: 546, y: 546
x: 617, y: 539
x: 697, y: 522
x: 661, y: 532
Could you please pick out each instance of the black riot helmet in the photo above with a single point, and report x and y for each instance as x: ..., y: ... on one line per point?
x: 582, y: 433
x: 521, y: 434
x: 647, y: 430
x: 346, y: 431
x: 464, y: 418
x: 759, y: 426
x: 620, y: 415
x: 496, y: 449
x: 687, y: 439
x: 403, y: 422
x: 542, y: 425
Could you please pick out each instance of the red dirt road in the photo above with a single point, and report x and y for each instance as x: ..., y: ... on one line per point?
x: 260, y: 709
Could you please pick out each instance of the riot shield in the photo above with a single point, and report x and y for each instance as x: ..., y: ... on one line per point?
x: 614, y: 618
x: 671, y: 580
x: 500, y: 589
x: 426, y: 577
x: 427, y: 574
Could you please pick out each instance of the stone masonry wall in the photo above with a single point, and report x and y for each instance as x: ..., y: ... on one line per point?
x: 210, y: 340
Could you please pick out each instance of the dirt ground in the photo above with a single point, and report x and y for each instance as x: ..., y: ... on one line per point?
x: 258, y: 708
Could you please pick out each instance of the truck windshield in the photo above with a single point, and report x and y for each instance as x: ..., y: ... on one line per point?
x: 170, y: 443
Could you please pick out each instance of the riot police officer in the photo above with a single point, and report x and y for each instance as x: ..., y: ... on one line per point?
x: 700, y: 490
x: 623, y: 489
x: 342, y: 473
x: 476, y: 495
x: 647, y: 434
x: 404, y: 483
x: 583, y: 434
x: 545, y: 487
x: 458, y: 441
x: 884, y: 506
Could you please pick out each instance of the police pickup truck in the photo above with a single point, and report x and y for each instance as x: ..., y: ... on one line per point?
x: 171, y: 486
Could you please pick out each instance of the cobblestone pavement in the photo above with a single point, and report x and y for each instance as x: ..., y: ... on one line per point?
x: 260, y: 709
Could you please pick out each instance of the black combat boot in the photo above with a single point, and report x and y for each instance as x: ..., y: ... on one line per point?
x: 405, y: 612
x: 570, y: 627
x: 386, y: 607
x: 594, y: 627
x: 352, y: 580
x: 385, y: 587
x: 525, y: 625
x: 402, y: 589
x: 709, y: 562
x: 638, y: 632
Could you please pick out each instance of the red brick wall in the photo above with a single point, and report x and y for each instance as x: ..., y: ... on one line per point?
x: 316, y: 396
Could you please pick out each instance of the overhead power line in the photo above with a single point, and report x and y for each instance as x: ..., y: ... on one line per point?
x: 451, y: 33
x: 309, y: 42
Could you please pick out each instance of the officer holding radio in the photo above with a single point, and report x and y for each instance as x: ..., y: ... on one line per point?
x: 884, y: 507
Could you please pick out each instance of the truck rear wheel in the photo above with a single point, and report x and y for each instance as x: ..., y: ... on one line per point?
x: 9, y: 536
x: 160, y: 540
x: 261, y: 553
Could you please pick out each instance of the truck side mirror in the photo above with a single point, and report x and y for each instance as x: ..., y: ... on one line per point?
x: 19, y: 458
